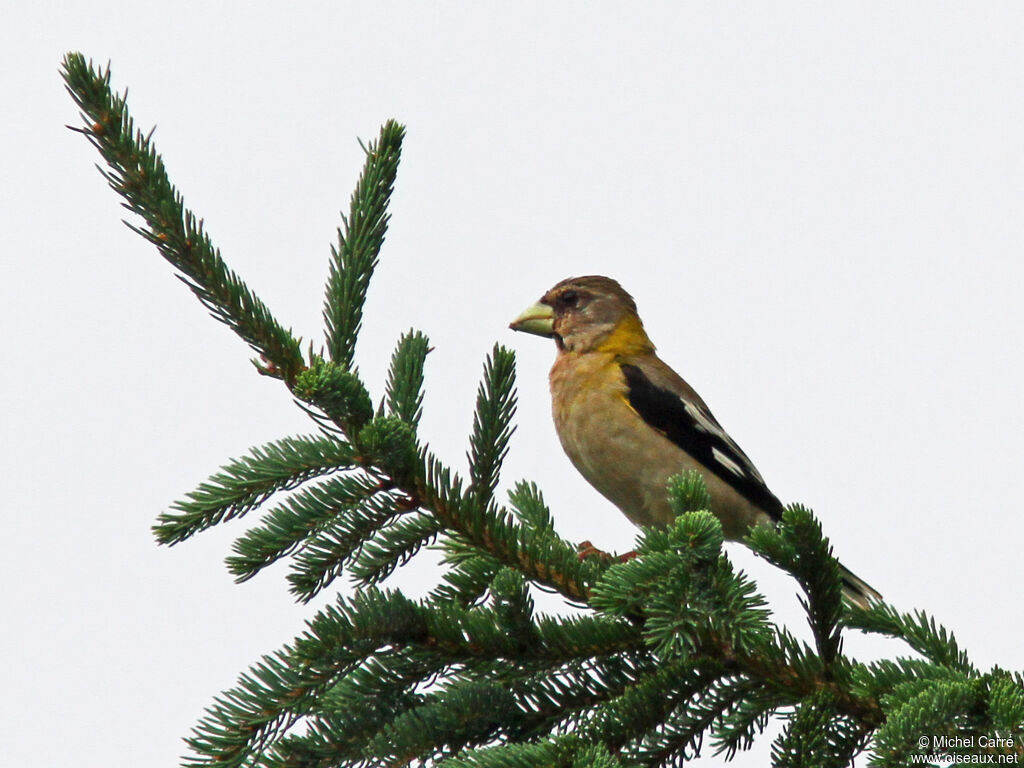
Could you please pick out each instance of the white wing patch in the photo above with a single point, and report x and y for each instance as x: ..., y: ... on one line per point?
x: 701, y: 421
x: 728, y: 463
x: 737, y: 463
x: 691, y: 427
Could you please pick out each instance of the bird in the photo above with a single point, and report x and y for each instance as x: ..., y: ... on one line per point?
x: 628, y: 421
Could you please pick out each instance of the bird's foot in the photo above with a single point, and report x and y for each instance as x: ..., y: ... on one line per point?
x: 586, y: 549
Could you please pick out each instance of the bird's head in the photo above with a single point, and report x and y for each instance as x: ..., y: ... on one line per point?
x: 587, y: 314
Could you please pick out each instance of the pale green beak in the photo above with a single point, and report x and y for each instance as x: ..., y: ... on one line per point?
x: 538, y: 320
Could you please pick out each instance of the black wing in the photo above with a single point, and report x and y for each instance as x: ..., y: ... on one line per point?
x: 697, y: 432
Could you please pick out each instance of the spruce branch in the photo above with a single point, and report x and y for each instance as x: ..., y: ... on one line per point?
x: 247, y: 482
x: 247, y: 719
x: 666, y: 650
x: 918, y: 630
x: 338, y: 501
x: 359, y: 240
x: 341, y: 544
x: 528, y: 505
x: 492, y: 422
x: 405, y: 377
x: 357, y: 707
x: 799, y: 547
x: 816, y: 736
x: 745, y: 721
x: 336, y: 397
x: 682, y: 733
x: 392, y: 547
x: 136, y: 172
x: 542, y: 556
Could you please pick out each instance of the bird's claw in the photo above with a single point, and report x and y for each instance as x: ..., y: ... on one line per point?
x: 586, y: 549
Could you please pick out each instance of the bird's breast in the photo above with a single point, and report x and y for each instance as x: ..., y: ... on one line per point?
x: 607, y: 441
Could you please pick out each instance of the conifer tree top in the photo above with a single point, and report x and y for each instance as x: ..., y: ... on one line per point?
x: 671, y: 653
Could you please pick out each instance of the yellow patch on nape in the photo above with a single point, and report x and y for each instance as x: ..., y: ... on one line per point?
x: 628, y: 337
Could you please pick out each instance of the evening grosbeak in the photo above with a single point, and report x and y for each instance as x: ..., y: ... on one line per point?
x: 628, y: 422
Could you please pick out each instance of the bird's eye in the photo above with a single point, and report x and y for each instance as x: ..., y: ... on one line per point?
x: 569, y: 299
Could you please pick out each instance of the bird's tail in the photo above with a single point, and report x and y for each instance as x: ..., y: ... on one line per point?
x: 857, y: 591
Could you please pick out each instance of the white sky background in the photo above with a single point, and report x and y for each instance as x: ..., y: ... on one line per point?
x: 818, y: 211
